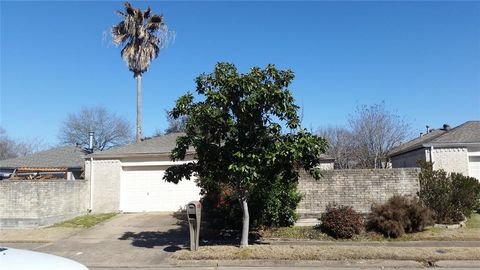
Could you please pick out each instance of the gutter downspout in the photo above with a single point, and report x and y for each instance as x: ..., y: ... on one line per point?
x: 431, y: 157
x: 91, y: 184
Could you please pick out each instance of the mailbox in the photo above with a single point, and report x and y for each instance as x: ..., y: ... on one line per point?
x: 194, y: 210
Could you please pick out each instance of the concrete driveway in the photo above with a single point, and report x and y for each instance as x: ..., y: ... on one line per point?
x: 127, y: 240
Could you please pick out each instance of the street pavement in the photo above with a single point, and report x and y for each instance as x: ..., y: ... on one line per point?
x: 127, y: 240
x: 146, y: 241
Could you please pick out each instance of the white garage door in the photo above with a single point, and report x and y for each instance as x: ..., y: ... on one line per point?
x: 474, y: 167
x: 144, y: 190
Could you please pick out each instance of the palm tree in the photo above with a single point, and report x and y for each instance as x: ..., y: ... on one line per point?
x: 143, y: 35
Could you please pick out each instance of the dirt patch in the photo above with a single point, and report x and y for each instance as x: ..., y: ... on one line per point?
x: 296, y: 252
x: 43, y: 235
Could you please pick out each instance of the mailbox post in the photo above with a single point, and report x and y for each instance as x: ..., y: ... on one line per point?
x: 194, y: 210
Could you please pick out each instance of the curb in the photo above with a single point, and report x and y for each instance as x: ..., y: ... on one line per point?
x: 280, y: 242
x: 354, y: 264
x: 274, y: 263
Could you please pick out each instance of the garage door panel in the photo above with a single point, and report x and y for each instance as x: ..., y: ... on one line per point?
x: 144, y: 190
x: 474, y: 166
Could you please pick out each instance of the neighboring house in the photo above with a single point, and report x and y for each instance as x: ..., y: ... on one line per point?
x: 65, y: 162
x: 327, y: 162
x: 451, y: 149
x: 130, y: 178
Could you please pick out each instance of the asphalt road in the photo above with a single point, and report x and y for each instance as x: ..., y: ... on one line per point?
x: 146, y: 241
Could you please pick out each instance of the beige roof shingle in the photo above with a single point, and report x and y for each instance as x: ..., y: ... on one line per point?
x: 60, y: 157
x: 156, y: 145
x: 466, y: 133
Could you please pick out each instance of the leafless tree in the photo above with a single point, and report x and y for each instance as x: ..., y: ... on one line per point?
x: 110, y: 129
x: 375, y: 132
x: 175, y: 125
x: 340, y: 145
x: 7, y: 146
x: 10, y: 148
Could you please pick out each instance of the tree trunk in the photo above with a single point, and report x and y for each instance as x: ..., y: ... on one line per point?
x: 245, y: 222
x: 139, y: 108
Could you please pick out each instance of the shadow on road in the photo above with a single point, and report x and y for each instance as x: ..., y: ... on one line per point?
x: 179, y: 238
x: 175, y: 239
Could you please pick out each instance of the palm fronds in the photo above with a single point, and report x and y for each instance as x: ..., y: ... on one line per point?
x: 142, y: 35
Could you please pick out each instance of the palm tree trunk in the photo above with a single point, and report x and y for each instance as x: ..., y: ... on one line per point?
x: 139, y: 108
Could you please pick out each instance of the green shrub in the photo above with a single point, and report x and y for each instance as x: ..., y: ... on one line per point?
x: 341, y: 221
x: 274, y: 204
x: 270, y: 205
x: 465, y: 193
x: 399, y: 215
x: 451, y: 196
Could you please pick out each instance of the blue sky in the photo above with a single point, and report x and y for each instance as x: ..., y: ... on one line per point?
x: 421, y: 58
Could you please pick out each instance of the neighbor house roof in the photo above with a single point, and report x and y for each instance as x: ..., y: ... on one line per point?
x: 466, y: 134
x: 154, y: 146
x: 60, y: 157
x: 326, y: 157
x: 162, y: 145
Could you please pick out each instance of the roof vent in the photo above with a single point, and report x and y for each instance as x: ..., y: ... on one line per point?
x: 91, y: 136
x: 446, y: 127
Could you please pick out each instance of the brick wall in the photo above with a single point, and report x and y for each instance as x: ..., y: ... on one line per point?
x: 357, y: 188
x: 25, y: 204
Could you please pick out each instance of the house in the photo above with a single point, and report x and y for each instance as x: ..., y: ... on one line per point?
x: 130, y: 178
x: 326, y: 162
x: 65, y: 162
x: 451, y: 149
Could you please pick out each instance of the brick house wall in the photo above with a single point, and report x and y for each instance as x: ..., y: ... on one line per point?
x: 27, y: 204
x: 357, y: 188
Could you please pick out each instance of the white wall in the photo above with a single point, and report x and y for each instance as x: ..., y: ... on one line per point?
x: 451, y: 159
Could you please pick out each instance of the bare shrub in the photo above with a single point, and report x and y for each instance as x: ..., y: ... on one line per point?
x: 400, y: 215
x: 341, y: 221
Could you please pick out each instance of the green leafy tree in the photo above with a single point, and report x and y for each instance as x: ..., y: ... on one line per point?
x: 236, y: 131
x: 142, y: 35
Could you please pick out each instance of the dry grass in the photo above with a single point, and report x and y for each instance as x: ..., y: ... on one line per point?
x: 474, y: 221
x: 42, y: 235
x: 469, y: 233
x: 296, y: 252
x: 295, y: 233
x: 441, y: 234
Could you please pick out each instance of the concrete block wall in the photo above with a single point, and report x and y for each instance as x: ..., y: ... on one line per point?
x: 106, y: 184
x: 28, y: 204
x: 357, y: 188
